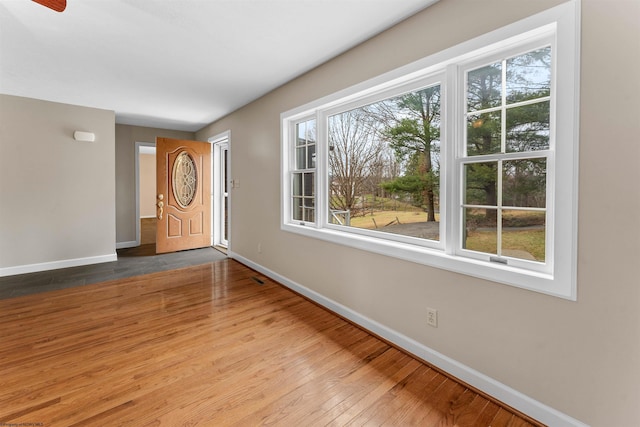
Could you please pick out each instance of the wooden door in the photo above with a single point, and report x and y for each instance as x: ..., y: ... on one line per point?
x: 183, y: 199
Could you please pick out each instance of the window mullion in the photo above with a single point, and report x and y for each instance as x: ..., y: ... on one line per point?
x: 452, y: 149
x: 322, y: 176
x: 503, y: 149
x: 499, y: 209
x: 503, y: 110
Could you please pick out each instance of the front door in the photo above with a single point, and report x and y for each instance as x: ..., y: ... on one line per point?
x: 183, y: 199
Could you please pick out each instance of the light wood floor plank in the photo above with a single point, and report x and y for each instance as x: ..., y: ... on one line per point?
x: 209, y: 345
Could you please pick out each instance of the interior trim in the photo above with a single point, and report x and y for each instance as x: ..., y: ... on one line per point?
x: 131, y: 244
x: 54, y: 265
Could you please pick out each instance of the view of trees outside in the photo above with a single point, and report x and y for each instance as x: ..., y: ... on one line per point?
x: 505, y: 215
x: 384, y: 167
x: 384, y: 160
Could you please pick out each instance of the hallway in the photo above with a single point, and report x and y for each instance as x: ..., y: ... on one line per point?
x: 131, y: 262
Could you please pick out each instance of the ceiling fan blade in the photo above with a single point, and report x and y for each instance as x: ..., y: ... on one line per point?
x: 57, y: 5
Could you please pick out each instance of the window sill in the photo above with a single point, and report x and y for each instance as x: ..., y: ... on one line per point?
x: 530, y: 280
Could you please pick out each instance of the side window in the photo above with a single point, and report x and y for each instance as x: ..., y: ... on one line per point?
x: 507, y: 146
x: 303, y: 176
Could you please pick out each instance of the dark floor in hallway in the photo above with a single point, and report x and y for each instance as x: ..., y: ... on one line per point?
x: 131, y: 262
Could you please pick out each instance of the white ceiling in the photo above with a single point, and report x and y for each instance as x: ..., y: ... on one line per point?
x: 177, y: 64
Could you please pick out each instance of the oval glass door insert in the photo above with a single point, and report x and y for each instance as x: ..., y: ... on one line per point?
x: 184, y: 179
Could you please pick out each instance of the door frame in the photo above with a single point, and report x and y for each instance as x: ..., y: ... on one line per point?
x: 217, y: 139
x: 217, y: 142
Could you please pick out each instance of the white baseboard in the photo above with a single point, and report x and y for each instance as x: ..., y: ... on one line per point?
x: 54, y: 265
x: 131, y: 244
x: 502, y: 392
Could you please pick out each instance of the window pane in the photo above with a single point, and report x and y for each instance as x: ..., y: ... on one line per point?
x: 305, y: 145
x: 528, y: 127
x: 311, y: 132
x: 301, y: 157
x: 311, y: 157
x: 481, y: 231
x: 225, y: 173
x: 306, y: 132
x: 297, y: 184
x: 484, y: 133
x: 309, y: 215
x: 481, y: 180
x: 309, y: 202
x: 301, y: 133
x: 225, y: 229
x: 384, y: 165
x: 529, y: 76
x: 309, y: 184
x: 524, y: 183
x: 297, y: 209
x: 523, y: 235
x: 484, y: 87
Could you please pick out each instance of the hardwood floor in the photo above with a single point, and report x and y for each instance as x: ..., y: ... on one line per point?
x: 214, y: 344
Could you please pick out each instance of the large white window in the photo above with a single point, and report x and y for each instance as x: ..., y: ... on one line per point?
x: 465, y: 160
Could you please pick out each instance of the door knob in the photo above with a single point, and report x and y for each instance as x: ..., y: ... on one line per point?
x: 160, y: 205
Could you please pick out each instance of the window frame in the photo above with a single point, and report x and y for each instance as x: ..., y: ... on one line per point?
x: 559, y: 27
x: 429, y: 80
x: 463, y: 158
x: 303, y: 171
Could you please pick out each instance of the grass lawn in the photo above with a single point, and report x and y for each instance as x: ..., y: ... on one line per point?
x: 516, y: 243
x: 383, y: 218
x: 530, y: 241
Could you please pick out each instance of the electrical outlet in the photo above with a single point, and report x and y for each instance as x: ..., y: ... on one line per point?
x: 432, y: 317
x: 259, y: 247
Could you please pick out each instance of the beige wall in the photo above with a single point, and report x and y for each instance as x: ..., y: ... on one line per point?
x: 126, y: 138
x: 57, y: 195
x: 147, y: 165
x: 581, y: 358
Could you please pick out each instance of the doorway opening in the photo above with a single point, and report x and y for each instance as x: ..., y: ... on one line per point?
x: 145, y: 192
x: 145, y: 169
x: 220, y: 191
